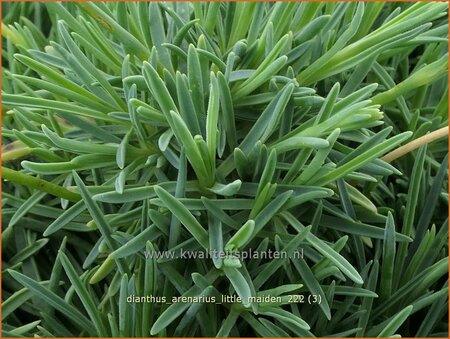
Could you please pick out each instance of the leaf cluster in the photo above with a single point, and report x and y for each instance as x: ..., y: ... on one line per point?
x: 135, y: 127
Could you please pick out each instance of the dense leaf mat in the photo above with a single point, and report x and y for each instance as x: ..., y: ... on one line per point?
x: 130, y: 128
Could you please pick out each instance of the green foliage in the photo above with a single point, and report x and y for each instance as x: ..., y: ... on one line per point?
x: 136, y: 127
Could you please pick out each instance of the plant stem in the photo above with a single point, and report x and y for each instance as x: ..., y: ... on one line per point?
x: 412, y: 145
x: 40, y: 184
